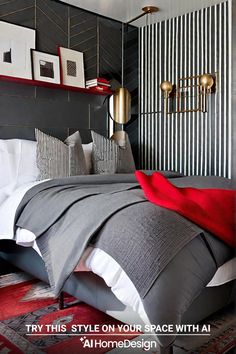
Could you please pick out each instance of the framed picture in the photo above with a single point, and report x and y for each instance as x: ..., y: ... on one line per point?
x: 72, y: 67
x: 46, y: 67
x: 15, y: 45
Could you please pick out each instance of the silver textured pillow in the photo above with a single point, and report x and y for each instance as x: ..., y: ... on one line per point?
x: 110, y: 156
x: 56, y: 159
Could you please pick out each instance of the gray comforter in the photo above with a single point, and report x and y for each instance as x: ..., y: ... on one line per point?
x: 66, y: 214
x: 149, y: 242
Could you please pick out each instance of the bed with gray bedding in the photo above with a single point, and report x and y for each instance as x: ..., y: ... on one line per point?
x: 169, y: 259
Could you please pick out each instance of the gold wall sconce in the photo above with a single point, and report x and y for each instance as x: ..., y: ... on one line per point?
x: 191, y: 94
x: 206, y: 83
x: 166, y: 87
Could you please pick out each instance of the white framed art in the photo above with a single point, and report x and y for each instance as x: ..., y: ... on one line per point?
x: 72, y: 67
x: 16, y: 43
x: 46, y: 67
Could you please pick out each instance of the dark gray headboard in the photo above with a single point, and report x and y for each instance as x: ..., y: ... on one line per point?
x: 54, y: 111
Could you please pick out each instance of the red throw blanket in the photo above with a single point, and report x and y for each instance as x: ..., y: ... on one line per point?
x: 212, y: 209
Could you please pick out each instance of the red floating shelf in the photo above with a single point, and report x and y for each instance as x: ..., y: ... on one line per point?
x: 55, y: 86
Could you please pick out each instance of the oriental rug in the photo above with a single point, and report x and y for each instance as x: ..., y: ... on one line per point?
x: 25, y: 301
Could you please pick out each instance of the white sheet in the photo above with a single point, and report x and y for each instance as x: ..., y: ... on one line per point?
x: 8, y: 210
x: 17, y: 165
x: 97, y: 260
x: 225, y: 273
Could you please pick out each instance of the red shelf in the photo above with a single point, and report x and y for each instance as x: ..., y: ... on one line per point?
x: 54, y: 86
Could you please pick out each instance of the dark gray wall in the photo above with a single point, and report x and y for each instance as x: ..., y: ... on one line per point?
x: 56, y: 111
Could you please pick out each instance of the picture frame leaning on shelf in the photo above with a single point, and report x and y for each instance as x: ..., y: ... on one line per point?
x: 16, y: 43
x: 45, y: 67
x: 72, y: 67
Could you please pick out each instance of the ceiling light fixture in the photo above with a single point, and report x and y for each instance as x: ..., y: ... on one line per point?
x: 146, y: 10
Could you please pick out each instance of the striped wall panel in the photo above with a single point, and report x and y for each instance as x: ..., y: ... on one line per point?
x: 233, y: 16
x: 192, y: 44
x: 131, y: 83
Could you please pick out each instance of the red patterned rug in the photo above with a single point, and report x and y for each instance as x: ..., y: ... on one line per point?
x: 27, y: 301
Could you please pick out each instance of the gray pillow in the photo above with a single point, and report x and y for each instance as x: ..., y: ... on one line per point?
x: 112, y: 156
x: 56, y: 159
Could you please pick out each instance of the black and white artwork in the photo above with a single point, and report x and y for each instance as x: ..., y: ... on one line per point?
x: 7, y: 56
x: 16, y: 43
x: 46, y: 67
x: 72, y: 67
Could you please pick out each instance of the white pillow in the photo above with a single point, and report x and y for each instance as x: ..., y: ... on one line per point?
x: 17, y: 165
x: 88, y: 148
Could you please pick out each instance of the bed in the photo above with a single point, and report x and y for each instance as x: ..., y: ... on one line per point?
x: 178, y: 294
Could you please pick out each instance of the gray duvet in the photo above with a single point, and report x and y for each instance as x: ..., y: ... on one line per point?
x: 158, y: 249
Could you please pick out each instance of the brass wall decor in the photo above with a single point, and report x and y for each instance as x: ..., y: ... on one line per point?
x: 190, y: 95
x: 167, y: 88
x: 206, y: 83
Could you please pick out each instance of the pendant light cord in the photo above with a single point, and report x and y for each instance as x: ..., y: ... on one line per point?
x: 122, y: 55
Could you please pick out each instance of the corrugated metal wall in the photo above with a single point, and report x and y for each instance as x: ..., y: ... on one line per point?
x: 193, y: 143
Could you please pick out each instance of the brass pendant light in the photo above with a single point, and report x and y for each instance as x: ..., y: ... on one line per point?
x: 120, y: 101
x: 121, y: 106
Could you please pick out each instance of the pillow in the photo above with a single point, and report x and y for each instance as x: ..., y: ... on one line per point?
x: 18, y: 164
x: 56, y: 159
x: 87, y: 148
x: 110, y: 156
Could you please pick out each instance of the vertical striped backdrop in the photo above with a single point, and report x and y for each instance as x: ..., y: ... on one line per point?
x: 192, y: 143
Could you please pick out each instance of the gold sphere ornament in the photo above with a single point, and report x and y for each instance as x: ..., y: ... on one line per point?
x: 166, y: 86
x: 206, y: 81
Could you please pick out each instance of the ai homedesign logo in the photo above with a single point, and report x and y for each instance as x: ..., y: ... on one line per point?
x: 109, y: 344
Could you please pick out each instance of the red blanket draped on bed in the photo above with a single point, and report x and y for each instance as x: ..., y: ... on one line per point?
x: 212, y: 209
